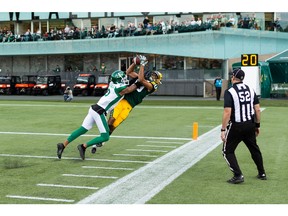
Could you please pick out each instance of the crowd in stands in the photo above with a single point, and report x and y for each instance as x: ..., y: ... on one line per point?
x: 146, y: 27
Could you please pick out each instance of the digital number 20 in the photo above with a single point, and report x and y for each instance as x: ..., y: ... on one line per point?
x: 249, y: 60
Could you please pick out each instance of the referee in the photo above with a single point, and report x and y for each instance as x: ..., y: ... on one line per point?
x: 241, y: 122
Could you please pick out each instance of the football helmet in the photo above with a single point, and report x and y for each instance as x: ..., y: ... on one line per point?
x: 155, y: 76
x: 119, y: 76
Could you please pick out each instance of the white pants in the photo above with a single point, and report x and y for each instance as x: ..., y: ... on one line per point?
x: 94, y: 118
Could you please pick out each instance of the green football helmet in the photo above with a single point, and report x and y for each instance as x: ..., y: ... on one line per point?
x: 119, y: 76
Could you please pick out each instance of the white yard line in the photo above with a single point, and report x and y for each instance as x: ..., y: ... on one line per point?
x: 107, y: 168
x: 67, y: 186
x: 40, y: 198
x: 157, y: 146
x: 89, y: 176
x: 146, y: 150
x: 72, y: 158
x: 133, y: 155
x: 93, y: 135
x: 87, y: 106
x: 141, y: 185
x: 159, y: 142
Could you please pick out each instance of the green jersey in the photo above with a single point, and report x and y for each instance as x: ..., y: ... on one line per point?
x: 136, y: 97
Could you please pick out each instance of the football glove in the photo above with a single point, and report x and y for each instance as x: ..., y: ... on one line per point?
x: 143, y: 60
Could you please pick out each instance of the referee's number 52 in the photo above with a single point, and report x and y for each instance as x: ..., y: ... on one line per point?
x: 244, y: 96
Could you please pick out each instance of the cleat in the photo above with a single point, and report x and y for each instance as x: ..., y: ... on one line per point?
x: 93, y: 150
x: 262, y: 176
x: 236, y: 179
x: 60, y: 149
x: 99, y: 144
x: 82, y: 150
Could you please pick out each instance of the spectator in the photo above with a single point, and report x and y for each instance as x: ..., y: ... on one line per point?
x: 68, y: 94
x: 231, y: 22
x: 139, y: 31
x: 199, y: 21
x: 164, y: 27
x: 45, y: 36
x: 277, y: 25
x: 57, y: 69
x: 94, y: 69
x: 121, y: 31
x: 103, y: 32
x: 218, y: 86
x: 67, y: 29
x: 112, y: 31
x: 95, y: 32
x: 27, y: 35
x: 103, y: 68
x: 149, y: 29
x: 38, y: 35
x: 130, y: 29
x: 145, y: 22
x: 193, y: 22
x: 76, y: 33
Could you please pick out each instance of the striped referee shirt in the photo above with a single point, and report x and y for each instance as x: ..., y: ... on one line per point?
x: 242, y: 100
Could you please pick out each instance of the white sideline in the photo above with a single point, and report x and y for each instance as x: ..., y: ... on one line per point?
x: 141, y: 185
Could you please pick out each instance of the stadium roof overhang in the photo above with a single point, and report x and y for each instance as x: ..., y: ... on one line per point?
x: 281, y: 57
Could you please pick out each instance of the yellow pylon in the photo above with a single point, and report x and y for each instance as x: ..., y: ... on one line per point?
x: 195, y: 131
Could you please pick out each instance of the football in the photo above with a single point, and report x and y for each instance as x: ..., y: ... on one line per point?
x: 136, y: 60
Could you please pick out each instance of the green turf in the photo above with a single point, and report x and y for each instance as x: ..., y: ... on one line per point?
x: 203, y: 183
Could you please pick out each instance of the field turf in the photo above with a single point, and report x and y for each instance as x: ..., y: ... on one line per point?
x: 30, y: 168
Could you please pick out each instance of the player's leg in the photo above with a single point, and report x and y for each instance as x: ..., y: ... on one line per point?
x: 86, y: 125
x: 103, y: 128
x: 120, y: 115
x: 112, y: 117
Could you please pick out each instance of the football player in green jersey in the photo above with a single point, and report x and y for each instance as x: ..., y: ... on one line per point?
x: 118, y: 87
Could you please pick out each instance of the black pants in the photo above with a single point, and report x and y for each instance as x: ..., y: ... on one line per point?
x: 236, y: 133
x: 218, y: 92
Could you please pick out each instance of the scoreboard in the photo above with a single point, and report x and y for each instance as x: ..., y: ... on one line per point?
x: 249, y: 64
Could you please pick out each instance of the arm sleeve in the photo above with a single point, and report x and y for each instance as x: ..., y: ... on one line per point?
x: 228, y: 101
x: 256, y: 100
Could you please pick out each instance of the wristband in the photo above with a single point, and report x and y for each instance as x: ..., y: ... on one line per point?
x: 257, y: 125
x: 222, y: 130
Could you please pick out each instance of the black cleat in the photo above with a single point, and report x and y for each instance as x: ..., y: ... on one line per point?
x: 98, y: 145
x: 82, y: 150
x: 236, y: 179
x: 93, y: 150
x: 262, y: 176
x: 60, y: 149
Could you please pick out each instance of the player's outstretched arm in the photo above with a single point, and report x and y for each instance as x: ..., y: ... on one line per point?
x: 142, y: 79
x: 130, y: 71
x: 129, y: 89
